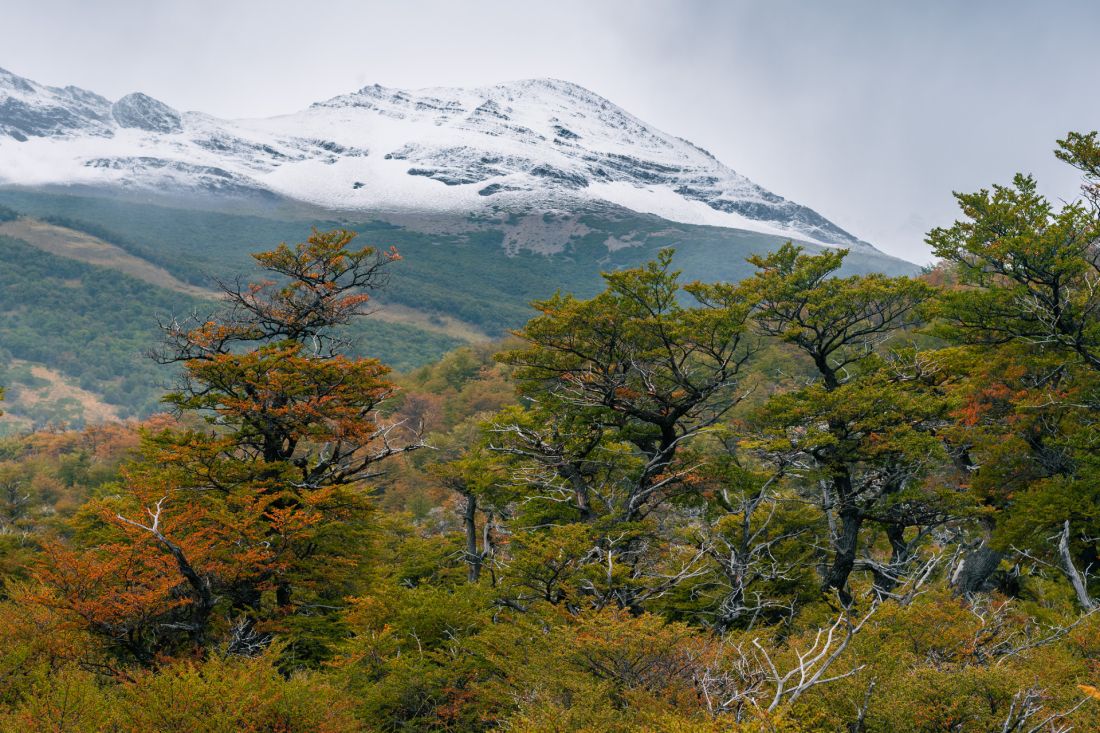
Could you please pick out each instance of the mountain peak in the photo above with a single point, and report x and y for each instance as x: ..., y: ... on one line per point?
x: 137, y: 110
x: 547, y: 83
x: 13, y: 81
x: 29, y: 109
x: 528, y: 145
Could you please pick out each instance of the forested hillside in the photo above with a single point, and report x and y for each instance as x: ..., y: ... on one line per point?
x: 460, y: 283
x: 94, y: 324
x: 805, y: 501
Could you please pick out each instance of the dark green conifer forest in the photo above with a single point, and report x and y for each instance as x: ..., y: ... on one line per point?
x: 805, y: 501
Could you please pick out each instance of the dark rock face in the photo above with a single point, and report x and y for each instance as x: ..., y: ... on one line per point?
x: 21, y: 120
x: 184, y: 176
x: 563, y: 178
x: 495, y: 188
x: 141, y: 111
x: 30, y: 110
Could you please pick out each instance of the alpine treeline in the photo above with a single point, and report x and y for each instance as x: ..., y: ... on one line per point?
x: 800, y: 502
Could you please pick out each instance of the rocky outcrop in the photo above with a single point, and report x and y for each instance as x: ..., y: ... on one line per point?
x: 141, y: 111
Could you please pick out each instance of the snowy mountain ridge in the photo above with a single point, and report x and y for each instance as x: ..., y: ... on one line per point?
x: 532, y: 145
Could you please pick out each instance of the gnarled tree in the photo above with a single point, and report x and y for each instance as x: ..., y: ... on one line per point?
x: 857, y: 432
x: 258, y: 518
x: 1028, y: 299
x: 618, y: 388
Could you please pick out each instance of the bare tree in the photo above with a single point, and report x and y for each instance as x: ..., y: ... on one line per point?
x: 1025, y: 710
x: 203, y: 599
x: 749, y: 676
x: 1076, y: 578
x: 750, y: 552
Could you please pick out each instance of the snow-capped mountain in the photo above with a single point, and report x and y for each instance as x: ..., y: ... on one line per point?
x: 534, y: 145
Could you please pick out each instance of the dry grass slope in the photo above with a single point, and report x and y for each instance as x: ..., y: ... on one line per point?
x: 86, y: 248
x: 77, y: 245
x: 51, y: 387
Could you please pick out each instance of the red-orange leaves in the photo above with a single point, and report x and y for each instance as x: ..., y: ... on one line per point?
x: 221, y: 536
x: 326, y: 283
x: 112, y: 588
x: 278, y: 392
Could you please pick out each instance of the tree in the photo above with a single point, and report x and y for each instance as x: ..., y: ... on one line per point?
x: 618, y: 388
x: 1029, y: 299
x: 858, y: 434
x: 632, y: 368
x: 261, y: 515
x: 1034, y: 272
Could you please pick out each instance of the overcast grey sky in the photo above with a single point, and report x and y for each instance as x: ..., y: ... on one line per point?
x: 870, y: 112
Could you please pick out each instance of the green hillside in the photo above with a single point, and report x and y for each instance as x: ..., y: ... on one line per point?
x: 93, y: 324
x: 463, y: 273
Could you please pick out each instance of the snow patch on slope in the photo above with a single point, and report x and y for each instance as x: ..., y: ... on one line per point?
x: 667, y: 204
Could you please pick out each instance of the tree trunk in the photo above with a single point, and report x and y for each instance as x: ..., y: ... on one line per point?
x: 1075, y: 578
x: 973, y: 573
x: 859, y: 724
x: 886, y: 580
x: 844, y: 559
x: 580, y: 491
x: 282, y: 594
x: 473, y: 557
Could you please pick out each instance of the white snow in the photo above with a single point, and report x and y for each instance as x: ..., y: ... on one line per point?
x: 544, y: 141
x: 666, y: 204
